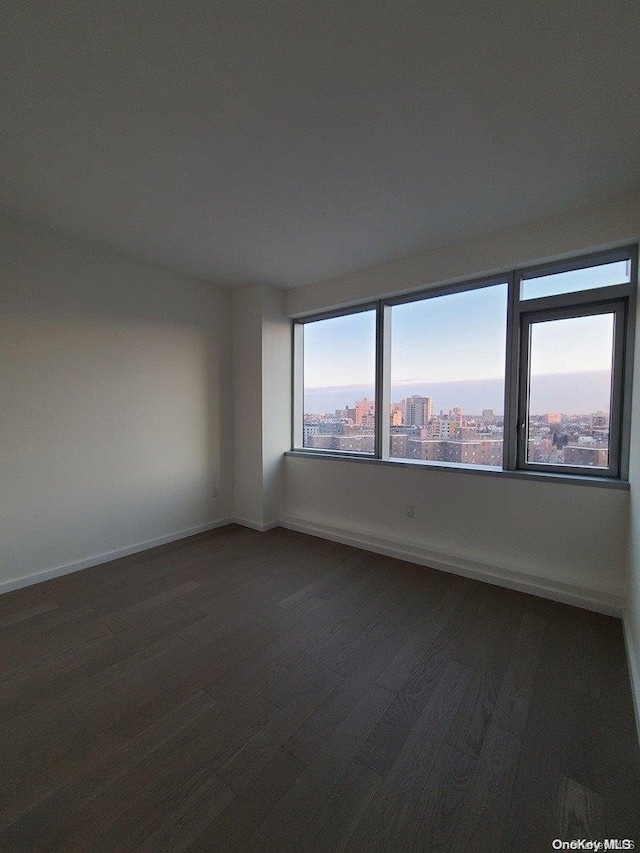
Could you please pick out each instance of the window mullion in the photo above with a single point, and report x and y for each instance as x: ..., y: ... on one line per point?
x: 383, y: 384
x: 521, y: 436
x: 509, y: 459
x: 616, y: 413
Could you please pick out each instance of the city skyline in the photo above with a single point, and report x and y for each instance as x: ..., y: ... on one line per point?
x: 418, y: 433
x: 577, y: 392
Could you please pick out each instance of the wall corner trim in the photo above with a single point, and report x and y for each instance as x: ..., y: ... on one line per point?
x: 97, y: 559
x: 254, y: 525
x: 589, y: 599
x: 634, y: 673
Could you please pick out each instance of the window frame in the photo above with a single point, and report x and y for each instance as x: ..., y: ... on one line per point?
x: 434, y: 293
x: 298, y: 380
x: 521, y: 314
x: 542, y: 315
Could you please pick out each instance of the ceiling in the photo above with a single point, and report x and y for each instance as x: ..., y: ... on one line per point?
x: 288, y: 141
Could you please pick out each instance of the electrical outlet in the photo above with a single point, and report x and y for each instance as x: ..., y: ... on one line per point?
x: 410, y: 510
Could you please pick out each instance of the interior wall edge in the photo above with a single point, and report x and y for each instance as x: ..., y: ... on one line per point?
x: 254, y: 525
x: 589, y: 599
x: 632, y: 662
x: 97, y: 559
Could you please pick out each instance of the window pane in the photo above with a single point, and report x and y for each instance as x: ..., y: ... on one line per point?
x: 570, y: 373
x: 604, y: 275
x: 339, y: 383
x: 447, y: 378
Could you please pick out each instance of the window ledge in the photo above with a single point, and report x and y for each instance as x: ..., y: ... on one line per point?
x: 476, y: 470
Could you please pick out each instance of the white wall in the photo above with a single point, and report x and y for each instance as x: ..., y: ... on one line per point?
x: 261, y: 403
x: 247, y: 406
x: 569, y: 541
x: 114, y: 390
x: 276, y: 402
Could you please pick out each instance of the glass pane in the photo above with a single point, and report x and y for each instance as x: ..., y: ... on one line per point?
x: 447, y: 378
x: 604, y: 275
x: 339, y: 383
x: 570, y: 373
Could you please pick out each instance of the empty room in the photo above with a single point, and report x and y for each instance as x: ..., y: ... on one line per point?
x: 320, y: 426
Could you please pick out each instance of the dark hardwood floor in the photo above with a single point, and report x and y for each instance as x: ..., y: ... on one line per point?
x: 272, y: 692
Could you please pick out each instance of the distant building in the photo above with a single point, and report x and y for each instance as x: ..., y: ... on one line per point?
x: 599, y: 420
x: 323, y: 442
x: 466, y: 433
x: 355, y: 443
x: 343, y: 414
x: 418, y: 411
x: 586, y: 456
x: 478, y: 452
x: 307, y: 431
x: 396, y: 415
x: 442, y: 427
x: 361, y: 409
x: 398, y: 445
x: 560, y: 440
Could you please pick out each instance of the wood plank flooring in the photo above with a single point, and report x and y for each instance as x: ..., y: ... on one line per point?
x: 271, y: 692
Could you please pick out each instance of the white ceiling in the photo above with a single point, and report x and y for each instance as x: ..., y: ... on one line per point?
x: 288, y: 141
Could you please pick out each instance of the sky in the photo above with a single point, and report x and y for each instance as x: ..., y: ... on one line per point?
x: 573, y: 280
x: 450, y: 338
x: 460, y: 336
x: 572, y: 344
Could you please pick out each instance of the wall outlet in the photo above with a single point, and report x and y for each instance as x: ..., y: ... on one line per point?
x: 410, y: 510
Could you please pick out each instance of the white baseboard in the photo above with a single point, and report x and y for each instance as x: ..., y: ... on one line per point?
x: 590, y: 599
x: 634, y: 672
x: 57, y: 571
x: 254, y: 525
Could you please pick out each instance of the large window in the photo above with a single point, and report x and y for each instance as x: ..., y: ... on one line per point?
x: 338, y: 382
x: 447, y: 369
x: 524, y: 371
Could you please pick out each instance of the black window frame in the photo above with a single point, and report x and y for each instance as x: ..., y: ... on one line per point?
x: 521, y: 314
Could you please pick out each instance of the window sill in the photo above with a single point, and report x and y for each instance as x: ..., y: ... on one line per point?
x: 476, y: 470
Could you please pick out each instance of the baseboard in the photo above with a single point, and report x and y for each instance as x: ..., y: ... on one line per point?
x: 254, y: 525
x: 566, y: 593
x: 589, y: 599
x: 634, y: 672
x: 97, y: 559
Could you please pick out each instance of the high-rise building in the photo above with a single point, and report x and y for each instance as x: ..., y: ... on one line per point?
x: 363, y: 408
x: 418, y: 410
